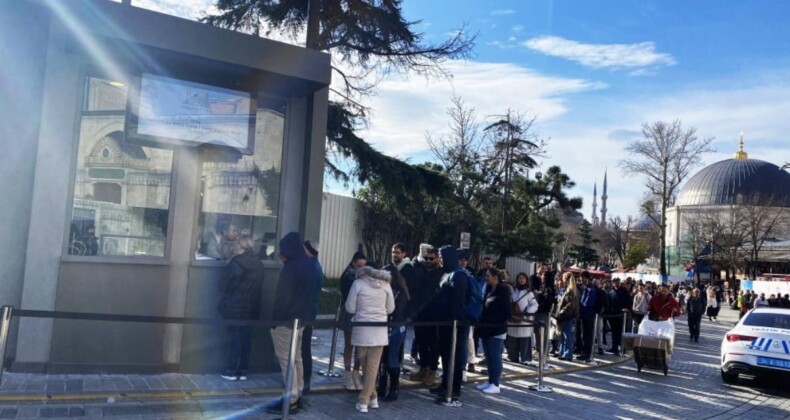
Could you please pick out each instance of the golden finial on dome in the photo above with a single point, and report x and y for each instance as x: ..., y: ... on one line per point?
x: 740, y: 154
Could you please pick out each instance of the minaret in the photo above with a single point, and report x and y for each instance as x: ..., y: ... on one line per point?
x: 595, y: 205
x: 603, y: 201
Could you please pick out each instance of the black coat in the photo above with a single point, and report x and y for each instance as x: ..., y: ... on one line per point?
x: 695, y: 306
x: 497, y: 309
x: 241, y: 294
x: 296, y: 283
x: 423, y: 291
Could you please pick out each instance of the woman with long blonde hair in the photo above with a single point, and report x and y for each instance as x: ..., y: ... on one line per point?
x: 567, y: 312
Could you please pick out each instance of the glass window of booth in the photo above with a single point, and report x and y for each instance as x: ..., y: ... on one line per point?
x: 240, y: 194
x: 122, y: 189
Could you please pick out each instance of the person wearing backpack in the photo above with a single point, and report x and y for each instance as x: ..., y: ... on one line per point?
x: 524, y: 306
x: 451, y: 305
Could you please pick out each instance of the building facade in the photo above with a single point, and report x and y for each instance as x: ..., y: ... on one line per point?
x: 722, y: 208
x: 132, y: 142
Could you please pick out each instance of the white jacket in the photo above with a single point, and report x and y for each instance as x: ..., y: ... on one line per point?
x: 370, y: 300
x: 528, y: 305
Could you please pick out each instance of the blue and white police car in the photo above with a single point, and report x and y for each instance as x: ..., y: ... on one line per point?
x: 758, y: 345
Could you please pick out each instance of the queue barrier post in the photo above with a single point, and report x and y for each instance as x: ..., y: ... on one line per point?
x: 4, y: 328
x: 622, y: 334
x: 289, y: 373
x: 540, y: 387
x: 329, y: 372
x: 451, y: 370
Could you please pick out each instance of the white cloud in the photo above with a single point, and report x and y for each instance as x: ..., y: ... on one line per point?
x: 584, y: 144
x: 188, y: 9
x: 642, y: 54
x: 512, y: 39
x: 503, y: 12
x: 517, y: 28
x: 404, y: 109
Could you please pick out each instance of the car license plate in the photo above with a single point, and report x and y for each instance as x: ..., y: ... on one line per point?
x: 765, y: 361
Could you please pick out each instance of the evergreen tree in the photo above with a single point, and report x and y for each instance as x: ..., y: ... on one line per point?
x: 583, y: 253
x: 368, y: 39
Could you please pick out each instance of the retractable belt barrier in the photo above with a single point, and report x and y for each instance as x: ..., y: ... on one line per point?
x: 8, y: 313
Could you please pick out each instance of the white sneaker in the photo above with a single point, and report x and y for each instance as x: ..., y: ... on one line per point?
x: 374, y: 403
x: 242, y: 377
x: 491, y: 389
x: 362, y: 408
x: 482, y: 386
x: 229, y: 377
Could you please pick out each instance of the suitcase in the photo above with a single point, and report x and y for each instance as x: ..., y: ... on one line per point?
x: 651, y: 352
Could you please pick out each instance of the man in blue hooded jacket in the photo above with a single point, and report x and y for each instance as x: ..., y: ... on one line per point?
x: 450, y: 305
x: 293, y: 301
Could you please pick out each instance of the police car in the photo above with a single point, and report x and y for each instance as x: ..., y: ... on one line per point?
x: 758, y: 345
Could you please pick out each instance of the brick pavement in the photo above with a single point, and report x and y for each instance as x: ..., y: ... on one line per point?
x: 693, y: 389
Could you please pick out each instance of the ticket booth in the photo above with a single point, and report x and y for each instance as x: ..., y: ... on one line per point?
x: 137, y: 146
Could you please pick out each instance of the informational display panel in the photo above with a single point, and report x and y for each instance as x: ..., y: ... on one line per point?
x: 193, y: 113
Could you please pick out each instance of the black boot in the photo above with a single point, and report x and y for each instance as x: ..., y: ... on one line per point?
x: 394, y: 382
x: 382, y: 388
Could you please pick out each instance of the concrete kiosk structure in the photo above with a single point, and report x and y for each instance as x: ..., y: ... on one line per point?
x: 95, y: 219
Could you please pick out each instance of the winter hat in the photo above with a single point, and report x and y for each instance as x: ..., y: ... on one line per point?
x: 312, y: 247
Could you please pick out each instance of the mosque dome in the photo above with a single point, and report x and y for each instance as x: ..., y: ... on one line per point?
x: 733, y: 180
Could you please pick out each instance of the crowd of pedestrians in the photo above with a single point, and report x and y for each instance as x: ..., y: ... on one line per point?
x: 439, y: 287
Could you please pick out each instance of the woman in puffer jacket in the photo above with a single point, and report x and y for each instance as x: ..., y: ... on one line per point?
x: 370, y: 300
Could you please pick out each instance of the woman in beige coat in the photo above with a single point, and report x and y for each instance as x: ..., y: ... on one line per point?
x: 370, y: 300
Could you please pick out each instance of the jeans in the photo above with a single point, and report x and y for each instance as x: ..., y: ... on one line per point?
x: 427, y: 343
x: 445, y: 343
x: 397, y: 336
x: 239, y: 346
x: 307, y: 355
x: 694, y: 321
x: 617, y: 332
x: 566, y: 340
x: 588, y: 327
x: 493, y: 351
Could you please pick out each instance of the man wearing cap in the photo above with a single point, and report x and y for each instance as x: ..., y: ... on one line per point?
x: 311, y: 249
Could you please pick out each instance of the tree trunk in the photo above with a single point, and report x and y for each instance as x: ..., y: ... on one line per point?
x: 313, y: 25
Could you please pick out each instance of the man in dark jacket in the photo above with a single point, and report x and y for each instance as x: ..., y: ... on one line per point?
x: 695, y: 308
x: 291, y: 302
x: 241, y: 299
x: 450, y: 305
x: 311, y: 248
x: 423, y: 291
x: 619, y: 300
x: 588, y: 306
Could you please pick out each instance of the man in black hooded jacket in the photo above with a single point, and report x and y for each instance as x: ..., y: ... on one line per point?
x: 291, y: 302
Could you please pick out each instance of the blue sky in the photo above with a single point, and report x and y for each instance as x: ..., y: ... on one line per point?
x: 592, y: 73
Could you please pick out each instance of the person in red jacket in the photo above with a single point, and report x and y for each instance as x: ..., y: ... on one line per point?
x: 663, y: 305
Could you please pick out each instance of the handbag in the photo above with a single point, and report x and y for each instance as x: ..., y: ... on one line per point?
x: 516, y: 311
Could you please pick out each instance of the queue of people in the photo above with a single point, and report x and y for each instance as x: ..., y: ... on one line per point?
x: 437, y: 286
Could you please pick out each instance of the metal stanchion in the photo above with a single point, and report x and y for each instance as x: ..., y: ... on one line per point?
x: 622, y: 334
x: 542, y: 360
x: 595, y: 338
x: 329, y: 372
x: 289, y: 373
x: 451, y: 370
x: 4, y: 327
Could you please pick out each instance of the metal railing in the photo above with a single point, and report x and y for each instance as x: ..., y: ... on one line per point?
x: 541, y: 321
